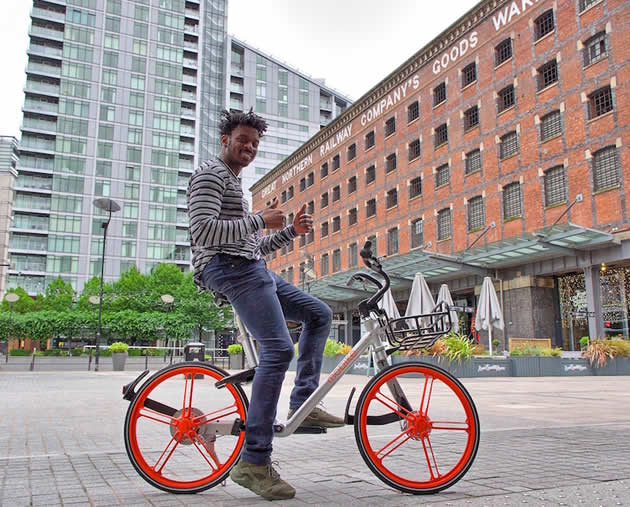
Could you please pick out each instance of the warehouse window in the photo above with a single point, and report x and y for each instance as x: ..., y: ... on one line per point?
x: 544, y: 24
x: 352, y: 216
x: 336, y: 261
x: 390, y: 162
x: 370, y: 174
x: 352, y: 151
x: 606, y: 168
x: 352, y: 185
x: 471, y: 117
x: 370, y: 140
x: 324, y: 200
x: 390, y: 126
x: 512, y: 206
x: 336, y: 163
x: 585, y: 4
x: 502, y: 52
x: 600, y: 102
x: 509, y: 145
x: 324, y: 230
x: 439, y: 94
x: 323, y: 172
x: 469, y: 74
x: 506, y: 98
x: 551, y: 125
x: 441, y: 135
x: 392, y: 241
x: 476, y: 214
x: 555, y: 186
x: 392, y: 198
x: 370, y: 208
x: 324, y: 265
x: 336, y: 193
x: 473, y: 161
x: 336, y: 224
x: 547, y: 74
x: 413, y: 111
x: 415, y: 187
x: 444, y: 224
x: 442, y: 176
x: 417, y: 233
x: 414, y: 149
x: 595, y: 48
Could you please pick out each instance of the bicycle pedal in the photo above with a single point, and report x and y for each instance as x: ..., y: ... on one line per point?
x: 311, y: 430
x: 238, y: 378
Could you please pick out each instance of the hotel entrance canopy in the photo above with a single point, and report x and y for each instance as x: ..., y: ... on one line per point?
x: 555, y: 241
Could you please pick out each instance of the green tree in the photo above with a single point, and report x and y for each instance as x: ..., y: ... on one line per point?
x: 58, y: 296
x: 25, y: 304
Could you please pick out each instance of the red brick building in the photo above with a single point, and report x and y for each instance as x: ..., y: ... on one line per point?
x: 499, y: 149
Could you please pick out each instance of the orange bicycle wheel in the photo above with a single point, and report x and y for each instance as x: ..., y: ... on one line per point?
x: 182, y: 434
x: 417, y: 428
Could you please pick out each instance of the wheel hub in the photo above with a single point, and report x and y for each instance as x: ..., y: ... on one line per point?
x: 417, y: 425
x: 183, y: 425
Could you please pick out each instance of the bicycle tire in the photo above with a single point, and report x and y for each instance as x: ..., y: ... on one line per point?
x: 395, y: 460
x: 190, y: 457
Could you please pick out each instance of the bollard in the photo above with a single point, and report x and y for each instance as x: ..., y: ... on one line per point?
x: 32, y: 366
x: 171, y: 354
x: 90, y: 360
x: 146, y: 359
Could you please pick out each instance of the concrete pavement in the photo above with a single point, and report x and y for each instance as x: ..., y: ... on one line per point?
x: 545, y: 441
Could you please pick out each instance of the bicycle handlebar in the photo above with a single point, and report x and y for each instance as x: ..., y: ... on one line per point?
x: 374, y: 264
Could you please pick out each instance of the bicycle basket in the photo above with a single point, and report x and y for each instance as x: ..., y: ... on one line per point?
x: 418, y: 331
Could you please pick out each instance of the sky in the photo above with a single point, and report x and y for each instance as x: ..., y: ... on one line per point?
x: 352, y: 44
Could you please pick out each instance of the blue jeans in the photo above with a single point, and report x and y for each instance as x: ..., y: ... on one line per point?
x: 263, y: 301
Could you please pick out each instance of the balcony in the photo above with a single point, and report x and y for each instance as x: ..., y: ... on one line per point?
x: 34, y: 244
x: 37, y: 143
x: 187, y: 131
x: 38, y: 86
x: 192, y: 13
x: 191, y: 46
x: 42, y: 68
x: 237, y: 88
x: 40, y: 106
x: 189, y: 96
x: 190, y: 80
x: 326, y: 105
x: 49, y: 33
x: 190, y: 62
x: 189, y: 113
x: 187, y: 147
x: 49, y: 51
x: 32, y: 285
x: 39, y: 126
x: 27, y: 182
x: 237, y: 70
x: 191, y: 29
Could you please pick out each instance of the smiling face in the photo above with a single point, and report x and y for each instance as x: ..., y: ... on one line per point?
x: 239, y: 148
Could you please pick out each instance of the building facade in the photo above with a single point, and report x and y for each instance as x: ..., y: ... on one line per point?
x: 499, y: 149
x: 295, y: 105
x: 115, y: 106
x: 8, y: 175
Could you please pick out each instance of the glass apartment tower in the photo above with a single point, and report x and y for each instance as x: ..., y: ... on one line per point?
x: 294, y: 104
x: 121, y: 99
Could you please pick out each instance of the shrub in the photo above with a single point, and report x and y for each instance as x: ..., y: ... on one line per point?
x: 599, y: 352
x: 331, y: 349
x: 458, y: 347
x: 235, y: 349
x: 344, y: 349
x: 118, y: 347
x: 19, y: 352
x: 621, y: 348
x: 135, y: 352
x: 77, y: 351
x: 584, y: 342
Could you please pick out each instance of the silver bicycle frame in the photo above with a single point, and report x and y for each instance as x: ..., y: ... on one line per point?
x: 374, y: 336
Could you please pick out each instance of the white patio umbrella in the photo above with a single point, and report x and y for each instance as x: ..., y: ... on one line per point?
x: 389, y: 305
x: 489, y: 310
x: 420, y: 299
x: 444, y: 296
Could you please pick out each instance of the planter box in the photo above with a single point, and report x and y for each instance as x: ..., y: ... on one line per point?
x: 118, y: 361
x: 330, y: 363
x: 525, y: 366
x: 575, y: 368
x: 623, y: 365
x: 491, y: 367
x: 236, y: 361
x: 610, y: 368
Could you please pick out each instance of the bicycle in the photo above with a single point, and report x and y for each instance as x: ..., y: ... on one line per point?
x: 185, y: 426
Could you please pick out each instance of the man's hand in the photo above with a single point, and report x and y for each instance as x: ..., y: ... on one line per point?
x: 274, y: 218
x: 303, y: 222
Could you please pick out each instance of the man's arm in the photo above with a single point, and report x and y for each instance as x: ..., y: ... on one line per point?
x: 206, y: 193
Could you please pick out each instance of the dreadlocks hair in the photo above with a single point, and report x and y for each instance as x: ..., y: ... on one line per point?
x: 231, y: 120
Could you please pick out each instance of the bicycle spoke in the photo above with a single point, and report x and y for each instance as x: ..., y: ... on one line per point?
x: 198, y: 439
x: 155, y: 416
x: 430, y: 457
x: 216, y: 414
x: 424, y: 409
x: 450, y: 425
x: 391, y: 404
x: 383, y: 452
x: 188, y: 393
x: 166, y: 454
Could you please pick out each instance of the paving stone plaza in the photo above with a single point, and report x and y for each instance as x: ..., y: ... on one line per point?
x: 545, y: 441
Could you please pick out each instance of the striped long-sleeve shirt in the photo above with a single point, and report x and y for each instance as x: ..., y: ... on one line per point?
x: 220, y: 221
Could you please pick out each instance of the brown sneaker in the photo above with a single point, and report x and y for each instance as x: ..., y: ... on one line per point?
x: 319, y: 417
x: 262, y: 480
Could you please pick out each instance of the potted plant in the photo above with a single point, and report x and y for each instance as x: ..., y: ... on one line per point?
x: 584, y: 342
x: 119, y: 355
x: 236, y: 356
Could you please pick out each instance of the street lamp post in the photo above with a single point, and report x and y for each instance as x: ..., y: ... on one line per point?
x: 11, y: 297
x: 111, y: 206
x: 167, y: 299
